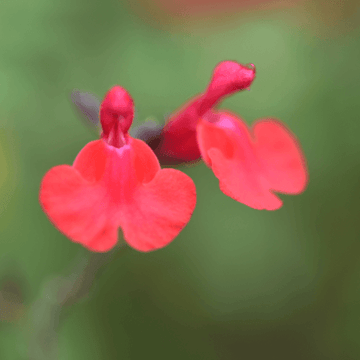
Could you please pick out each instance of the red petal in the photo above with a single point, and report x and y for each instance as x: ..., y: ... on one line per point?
x: 91, y: 161
x: 237, y: 170
x: 145, y: 162
x: 281, y: 157
x: 161, y: 205
x: 77, y: 208
x: 241, y: 185
x: 161, y: 209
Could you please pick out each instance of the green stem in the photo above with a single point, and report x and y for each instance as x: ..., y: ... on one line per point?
x: 59, y: 293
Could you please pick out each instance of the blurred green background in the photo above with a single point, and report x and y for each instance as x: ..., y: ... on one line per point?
x: 237, y: 283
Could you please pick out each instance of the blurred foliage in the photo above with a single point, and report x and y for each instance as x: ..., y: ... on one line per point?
x: 185, y: 13
x: 237, y: 283
x: 3, y: 166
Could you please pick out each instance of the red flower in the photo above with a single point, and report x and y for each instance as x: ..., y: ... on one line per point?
x: 249, y: 166
x: 117, y: 182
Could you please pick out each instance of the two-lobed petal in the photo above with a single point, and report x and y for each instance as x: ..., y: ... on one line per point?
x: 252, y: 166
x: 108, y: 188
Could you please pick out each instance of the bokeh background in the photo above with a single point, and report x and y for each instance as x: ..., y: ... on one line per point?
x: 237, y: 283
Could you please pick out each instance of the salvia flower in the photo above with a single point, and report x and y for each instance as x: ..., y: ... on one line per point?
x: 250, y: 165
x: 116, y: 182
